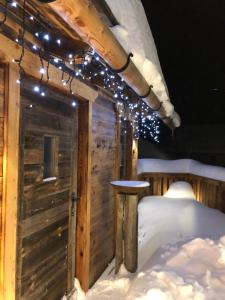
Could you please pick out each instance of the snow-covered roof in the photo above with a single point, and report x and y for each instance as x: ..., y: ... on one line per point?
x: 134, y: 34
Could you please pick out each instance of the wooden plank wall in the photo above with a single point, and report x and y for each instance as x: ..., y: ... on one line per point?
x: 43, y: 257
x: 2, y: 92
x: 105, y: 162
x: 207, y: 191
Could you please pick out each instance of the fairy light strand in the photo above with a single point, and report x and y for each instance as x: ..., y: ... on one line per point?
x: 144, y: 122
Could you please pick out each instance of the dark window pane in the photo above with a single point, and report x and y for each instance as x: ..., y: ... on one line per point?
x: 49, y: 157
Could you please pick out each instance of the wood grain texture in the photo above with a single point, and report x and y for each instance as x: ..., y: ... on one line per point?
x: 2, y: 105
x: 31, y: 64
x: 131, y: 151
x: 208, y: 191
x: 131, y: 233
x: 119, y: 231
x: 84, y: 192
x: 11, y: 182
x: 45, y: 247
x: 104, y: 168
x: 83, y: 17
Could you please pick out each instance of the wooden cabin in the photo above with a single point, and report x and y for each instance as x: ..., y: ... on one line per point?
x: 62, y: 142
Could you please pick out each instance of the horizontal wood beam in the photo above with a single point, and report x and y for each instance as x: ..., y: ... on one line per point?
x: 31, y: 65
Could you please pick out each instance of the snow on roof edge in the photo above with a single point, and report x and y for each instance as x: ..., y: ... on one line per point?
x: 134, y: 34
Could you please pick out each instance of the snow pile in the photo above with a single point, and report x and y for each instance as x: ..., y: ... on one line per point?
x: 181, y: 255
x: 181, y: 166
x: 163, y: 220
x: 193, y: 270
x: 135, y: 36
x: 179, y: 190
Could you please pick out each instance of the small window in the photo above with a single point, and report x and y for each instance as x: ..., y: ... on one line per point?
x: 50, y: 158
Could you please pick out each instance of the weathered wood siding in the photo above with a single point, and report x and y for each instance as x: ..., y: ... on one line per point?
x: 105, y: 166
x: 207, y: 191
x: 2, y: 90
x: 44, y: 259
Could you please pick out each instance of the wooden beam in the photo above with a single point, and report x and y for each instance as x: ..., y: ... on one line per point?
x: 131, y: 153
x: 82, y: 17
x: 56, y: 21
x: 31, y: 65
x: 84, y: 194
x: 10, y: 183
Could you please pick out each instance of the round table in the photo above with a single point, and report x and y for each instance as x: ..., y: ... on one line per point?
x: 126, y: 231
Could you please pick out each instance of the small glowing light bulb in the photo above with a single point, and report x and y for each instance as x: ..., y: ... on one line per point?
x: 46, y: 37
x: 74, y: 104
x: 34, y: 47
x: 42, y: 94
x: 18, y: 81
x: 31, y: 18
x: 58, y: 41
x: 56, y: 60
x: 70, y: 55
x: 14, y: 4
x: 36, y: 88
x: 42, y: 70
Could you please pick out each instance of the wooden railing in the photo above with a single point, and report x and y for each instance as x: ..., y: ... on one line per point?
x: 208, y: 191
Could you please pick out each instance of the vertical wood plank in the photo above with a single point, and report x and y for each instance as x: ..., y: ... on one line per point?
x: 10, y: 182
x: 84, y: 190
x: 119, y: 231
x: 131, y: 233
x: 72, y: 210
x: 131, y: 154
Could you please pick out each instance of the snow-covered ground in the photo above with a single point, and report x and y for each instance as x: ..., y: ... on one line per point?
x: 181, y: 254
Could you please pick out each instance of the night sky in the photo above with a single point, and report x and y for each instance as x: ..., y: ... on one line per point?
x: 190, y: 39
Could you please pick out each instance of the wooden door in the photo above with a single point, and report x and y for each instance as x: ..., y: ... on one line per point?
x: 46, y: 222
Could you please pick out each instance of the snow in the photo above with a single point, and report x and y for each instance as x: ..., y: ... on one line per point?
x: 130, y: 183
x: 180, y: 190
x: 181, y: 166
x: 181, y: 254
x: 134, y: 34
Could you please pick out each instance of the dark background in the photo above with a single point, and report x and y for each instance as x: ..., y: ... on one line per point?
x: 190, y: 40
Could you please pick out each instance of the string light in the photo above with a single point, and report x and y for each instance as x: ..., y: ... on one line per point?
x: 46, y: 37
x: 14, y: 4
x: 90, y: 66
x: 36, y: 89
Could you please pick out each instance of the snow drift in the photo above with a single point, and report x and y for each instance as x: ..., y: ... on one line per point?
x: 181, y: 254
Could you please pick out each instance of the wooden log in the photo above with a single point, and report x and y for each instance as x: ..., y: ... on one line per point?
x: 119, y: 231
x: 83, y: 17
x: 31, y: 65
x: 131, y: 233
x: 131, y: 153
x: 10, y: 183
